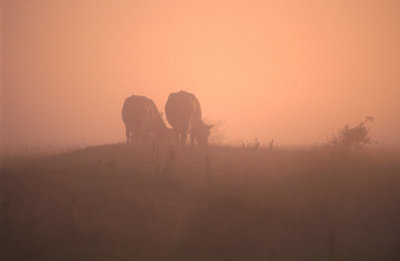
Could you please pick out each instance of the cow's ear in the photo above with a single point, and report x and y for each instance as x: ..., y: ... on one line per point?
x: 210, y: 126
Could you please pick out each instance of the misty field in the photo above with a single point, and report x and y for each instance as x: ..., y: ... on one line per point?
x: 148, y: 202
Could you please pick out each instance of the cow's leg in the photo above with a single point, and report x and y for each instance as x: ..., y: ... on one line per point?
x: 184, y: 136
x: 135, y: 137
x: 191, y: 139
x: 176, y: 134
x: 128, y: 134
x: 145, y: 134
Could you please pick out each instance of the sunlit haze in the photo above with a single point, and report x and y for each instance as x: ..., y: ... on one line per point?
x: 294, y: 71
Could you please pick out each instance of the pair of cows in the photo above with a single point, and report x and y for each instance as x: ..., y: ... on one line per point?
x: 183, y: 113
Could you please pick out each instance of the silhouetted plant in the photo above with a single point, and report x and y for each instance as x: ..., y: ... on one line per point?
x: 256, y: 144
x: 352, y: 137
x: 271, y: 145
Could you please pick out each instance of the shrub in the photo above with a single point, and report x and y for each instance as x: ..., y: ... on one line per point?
x: 352, y: 137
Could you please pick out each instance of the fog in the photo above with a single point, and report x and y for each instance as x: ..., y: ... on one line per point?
x: 294, y: 71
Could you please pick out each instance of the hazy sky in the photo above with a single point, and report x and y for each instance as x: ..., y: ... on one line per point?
x: 294, y: 71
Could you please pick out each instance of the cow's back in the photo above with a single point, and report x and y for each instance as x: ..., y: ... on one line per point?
x: 139, y: 110
x: 182, y: 109
x: 142, y: 119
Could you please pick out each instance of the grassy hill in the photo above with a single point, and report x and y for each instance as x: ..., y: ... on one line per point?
x: 145, y: 202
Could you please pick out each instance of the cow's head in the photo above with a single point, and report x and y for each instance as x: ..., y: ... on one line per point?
x: 201, y: 133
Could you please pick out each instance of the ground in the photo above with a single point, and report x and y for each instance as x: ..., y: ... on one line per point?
x: 157, y: 202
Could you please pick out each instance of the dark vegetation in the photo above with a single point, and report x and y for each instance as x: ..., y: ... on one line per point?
x: 352, y: 137
x: 152, y: 202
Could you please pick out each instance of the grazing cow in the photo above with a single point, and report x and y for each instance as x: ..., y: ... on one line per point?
x: 142, y: 118
x: 184, y: 115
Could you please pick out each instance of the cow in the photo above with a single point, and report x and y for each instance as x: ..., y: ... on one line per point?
x: 183, y: 113
x: 142, y: 119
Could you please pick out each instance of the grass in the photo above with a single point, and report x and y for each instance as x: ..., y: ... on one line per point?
x: 126, y: 202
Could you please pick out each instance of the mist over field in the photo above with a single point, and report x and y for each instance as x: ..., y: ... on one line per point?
x: 199, y: 130
x: 295, y: 71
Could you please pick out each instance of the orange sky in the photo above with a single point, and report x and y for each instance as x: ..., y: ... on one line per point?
x: 294, y: 71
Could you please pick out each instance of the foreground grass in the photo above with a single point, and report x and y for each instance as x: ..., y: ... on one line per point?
x: 121, y: 202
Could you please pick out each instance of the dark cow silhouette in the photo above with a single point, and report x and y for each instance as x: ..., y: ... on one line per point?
x: 142, y: 119
x: 184, y: 115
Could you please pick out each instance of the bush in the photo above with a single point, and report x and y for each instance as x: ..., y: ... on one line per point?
x: 355, y: 137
